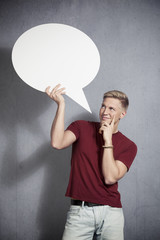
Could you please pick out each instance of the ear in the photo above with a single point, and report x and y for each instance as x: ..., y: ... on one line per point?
x: 123, y: 113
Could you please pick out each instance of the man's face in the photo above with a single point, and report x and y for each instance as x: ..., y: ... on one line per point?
x: 111, y: 107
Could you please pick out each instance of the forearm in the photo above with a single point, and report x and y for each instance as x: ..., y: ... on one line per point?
x: 57, y: 129
x: 109, y: 168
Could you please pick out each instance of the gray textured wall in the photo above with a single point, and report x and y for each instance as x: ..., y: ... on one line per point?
x: 33, y: 176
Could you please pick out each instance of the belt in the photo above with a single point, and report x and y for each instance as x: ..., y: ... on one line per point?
x: 80, y: 203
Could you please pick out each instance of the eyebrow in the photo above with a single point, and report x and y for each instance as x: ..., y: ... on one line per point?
x: 110, y: 106
x: 118, y: 107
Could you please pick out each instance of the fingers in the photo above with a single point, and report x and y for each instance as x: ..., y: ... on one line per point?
x: 105, y: 125
x: 113, y: 121
x: 55, y: 88
x: 60, y: 91
x: 47, y: 90
x: 100, y: 130
x: 103, y: 128
x: 55, y: 91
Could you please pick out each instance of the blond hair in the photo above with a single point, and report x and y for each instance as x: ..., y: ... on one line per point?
x: 118, y: 95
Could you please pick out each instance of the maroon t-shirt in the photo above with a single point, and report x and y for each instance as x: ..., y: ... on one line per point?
x: 86, y: 181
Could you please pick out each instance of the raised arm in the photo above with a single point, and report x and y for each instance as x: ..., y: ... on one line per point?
x: 112, y: 169
x: 59, y: 137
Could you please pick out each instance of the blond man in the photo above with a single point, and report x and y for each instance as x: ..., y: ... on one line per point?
x: 101, y: 156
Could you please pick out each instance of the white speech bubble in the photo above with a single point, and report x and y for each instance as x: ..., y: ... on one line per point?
x: 51, y: 53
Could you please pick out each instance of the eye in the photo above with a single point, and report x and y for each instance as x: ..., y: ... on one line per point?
x: 103, y: 106
x: 112, y: 109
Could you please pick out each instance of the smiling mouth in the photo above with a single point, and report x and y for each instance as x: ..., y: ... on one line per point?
x: 105, y: 118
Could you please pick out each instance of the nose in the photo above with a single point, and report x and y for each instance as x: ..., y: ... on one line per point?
x: 106, y: 111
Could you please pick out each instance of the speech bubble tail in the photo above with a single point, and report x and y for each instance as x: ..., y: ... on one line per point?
x: 79, y: 97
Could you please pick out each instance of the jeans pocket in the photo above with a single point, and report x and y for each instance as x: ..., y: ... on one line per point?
x: 74, y: 210
x: 116, y: 216
x: 73, y: 213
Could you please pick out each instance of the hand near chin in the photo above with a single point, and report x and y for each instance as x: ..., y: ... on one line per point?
x: 107, y: 130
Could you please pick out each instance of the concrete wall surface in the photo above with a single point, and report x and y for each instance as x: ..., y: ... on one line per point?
x: 34, y: 176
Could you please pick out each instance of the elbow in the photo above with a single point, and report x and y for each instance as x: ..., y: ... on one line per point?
x: 109, y: 181
x: 56, y: 146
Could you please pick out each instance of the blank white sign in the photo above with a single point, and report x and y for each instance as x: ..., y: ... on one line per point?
x: 49, y: 54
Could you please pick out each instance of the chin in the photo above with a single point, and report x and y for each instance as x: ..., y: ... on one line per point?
x: 106, y: 120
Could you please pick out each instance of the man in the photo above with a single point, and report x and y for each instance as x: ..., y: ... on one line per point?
x: 101, y: 155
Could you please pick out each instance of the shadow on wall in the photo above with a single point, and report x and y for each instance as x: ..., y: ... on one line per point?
x: 20, y: 107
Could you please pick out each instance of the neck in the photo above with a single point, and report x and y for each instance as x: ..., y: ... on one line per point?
x: 115, y: 130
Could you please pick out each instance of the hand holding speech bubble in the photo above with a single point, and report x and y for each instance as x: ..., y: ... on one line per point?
x: 49, y: 54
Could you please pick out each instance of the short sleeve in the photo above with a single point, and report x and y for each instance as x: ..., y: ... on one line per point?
x: 74, y: 127
x: 128, y: 154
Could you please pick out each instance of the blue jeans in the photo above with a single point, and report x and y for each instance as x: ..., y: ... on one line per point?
x: 83, y: 222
